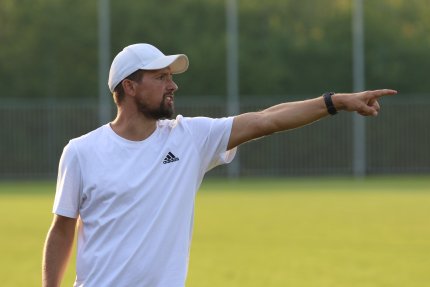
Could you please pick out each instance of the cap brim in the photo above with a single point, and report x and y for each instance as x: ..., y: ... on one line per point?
x: 177, y: 63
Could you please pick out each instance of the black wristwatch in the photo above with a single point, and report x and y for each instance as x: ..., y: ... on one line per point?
x: 329, y: 103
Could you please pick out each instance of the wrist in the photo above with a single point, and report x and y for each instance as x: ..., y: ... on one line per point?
x: 328, y: 101
x: 337, y: 100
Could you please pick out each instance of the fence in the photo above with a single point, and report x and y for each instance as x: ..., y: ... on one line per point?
x: 398, y: 140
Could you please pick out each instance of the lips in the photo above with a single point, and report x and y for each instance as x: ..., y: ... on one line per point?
x: 169, y: 98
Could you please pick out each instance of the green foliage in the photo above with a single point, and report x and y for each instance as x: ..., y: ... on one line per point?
x: 48, y: 48
x: 397, y: 44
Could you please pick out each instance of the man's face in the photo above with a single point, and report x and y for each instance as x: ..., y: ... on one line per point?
x: 155, y: 94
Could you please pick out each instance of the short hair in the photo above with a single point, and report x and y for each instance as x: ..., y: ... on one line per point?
x: 118, y: 92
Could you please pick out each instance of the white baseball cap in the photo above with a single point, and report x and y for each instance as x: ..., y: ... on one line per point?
x: 143, y: 57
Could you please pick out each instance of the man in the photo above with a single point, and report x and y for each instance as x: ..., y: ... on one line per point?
x: 129, y: 186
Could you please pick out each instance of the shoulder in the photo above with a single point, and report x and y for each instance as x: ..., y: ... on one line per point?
x: 198, y: 128
x: 170, y: 123
x: 181, y: 122
x: 191, y: 127
x: 193, y: 122
x: 89, y: 138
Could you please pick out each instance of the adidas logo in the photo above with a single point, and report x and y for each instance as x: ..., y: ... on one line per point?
x: 170, y: 157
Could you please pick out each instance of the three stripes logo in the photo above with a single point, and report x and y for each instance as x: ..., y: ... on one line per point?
x: 170, y: 157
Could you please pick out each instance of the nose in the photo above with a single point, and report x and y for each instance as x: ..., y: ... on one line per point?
x: 173, y: 87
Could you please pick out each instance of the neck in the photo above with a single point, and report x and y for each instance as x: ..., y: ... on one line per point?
x: 133, y: 125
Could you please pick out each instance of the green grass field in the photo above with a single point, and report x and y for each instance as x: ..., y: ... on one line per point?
x: 307, y: 232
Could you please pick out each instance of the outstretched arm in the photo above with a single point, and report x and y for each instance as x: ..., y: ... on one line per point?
x: 56, y: 253
x: 292, y: 115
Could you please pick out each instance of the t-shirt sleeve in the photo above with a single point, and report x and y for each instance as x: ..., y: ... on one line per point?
x: 68, y: 190
x: 211, y: 137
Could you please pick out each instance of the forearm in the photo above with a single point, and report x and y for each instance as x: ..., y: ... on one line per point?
x: 277, y: 118
x: 56, y: 254
x: 293, y: 115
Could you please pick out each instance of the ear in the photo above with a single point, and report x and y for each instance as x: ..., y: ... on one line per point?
x: 129, y: 87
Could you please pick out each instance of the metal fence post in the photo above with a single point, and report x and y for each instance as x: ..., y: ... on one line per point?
x: 232, y: 73
x: 359, y: 124
x: 105, y: 102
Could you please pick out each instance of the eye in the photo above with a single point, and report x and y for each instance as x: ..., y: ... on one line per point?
x: 162, y: 77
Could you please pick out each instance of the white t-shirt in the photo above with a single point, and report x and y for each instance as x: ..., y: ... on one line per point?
x: 135, y: 200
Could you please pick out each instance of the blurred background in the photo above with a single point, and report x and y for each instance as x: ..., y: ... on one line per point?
x: 244, y: 56
x: 302, y: 228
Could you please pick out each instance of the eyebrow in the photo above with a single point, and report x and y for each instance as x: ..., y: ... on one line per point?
x: 162, y: 73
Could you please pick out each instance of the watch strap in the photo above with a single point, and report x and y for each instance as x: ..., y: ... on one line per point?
x: 329, y: 103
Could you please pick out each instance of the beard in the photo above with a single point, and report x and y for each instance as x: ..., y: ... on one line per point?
x: 163, y: 111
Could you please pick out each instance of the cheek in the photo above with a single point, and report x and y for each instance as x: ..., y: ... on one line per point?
x: 153, y: 96
x: 154, y: 90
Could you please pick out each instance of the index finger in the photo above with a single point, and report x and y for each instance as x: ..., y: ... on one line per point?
x: 380, y: 93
